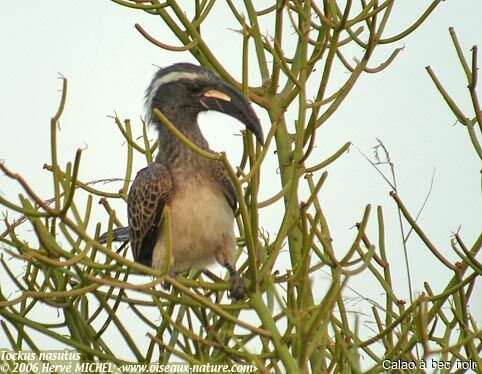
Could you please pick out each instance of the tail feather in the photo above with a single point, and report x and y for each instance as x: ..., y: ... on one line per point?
x: 120, y: 234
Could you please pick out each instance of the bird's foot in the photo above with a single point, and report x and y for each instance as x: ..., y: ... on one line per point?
x: 236, y: 289
x: 166, y: 286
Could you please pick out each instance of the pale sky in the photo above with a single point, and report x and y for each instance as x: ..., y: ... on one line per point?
x: 109, y: 65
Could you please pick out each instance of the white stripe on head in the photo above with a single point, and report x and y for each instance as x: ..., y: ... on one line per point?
x: 168, y: 78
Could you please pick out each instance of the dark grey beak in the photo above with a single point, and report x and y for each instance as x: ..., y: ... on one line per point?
x: 228, y: 100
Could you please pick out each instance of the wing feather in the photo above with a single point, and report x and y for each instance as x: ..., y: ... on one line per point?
x: 221, y: 175
x: 148, y: 195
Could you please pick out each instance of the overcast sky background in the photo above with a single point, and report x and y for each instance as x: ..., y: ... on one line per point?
x: 109, y: 65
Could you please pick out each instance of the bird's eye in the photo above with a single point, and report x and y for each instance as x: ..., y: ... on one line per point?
x: 196, y: 88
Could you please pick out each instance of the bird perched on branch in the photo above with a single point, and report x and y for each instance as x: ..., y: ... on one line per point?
x: 197, y: 190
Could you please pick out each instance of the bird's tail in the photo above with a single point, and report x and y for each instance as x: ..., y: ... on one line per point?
x: 120, y: 234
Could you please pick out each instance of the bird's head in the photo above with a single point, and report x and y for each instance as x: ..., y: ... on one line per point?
x: 181, y: 91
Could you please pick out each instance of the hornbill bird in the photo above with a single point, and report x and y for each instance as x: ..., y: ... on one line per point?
x: 198, y: 190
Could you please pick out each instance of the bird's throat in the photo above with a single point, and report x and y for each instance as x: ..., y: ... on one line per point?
x: 172, y: 150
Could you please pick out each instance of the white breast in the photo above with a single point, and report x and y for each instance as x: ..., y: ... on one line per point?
x: 201, y: 223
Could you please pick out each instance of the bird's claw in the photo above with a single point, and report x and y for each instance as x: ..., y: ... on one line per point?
x: 236, y: 289
x: 166, y: 286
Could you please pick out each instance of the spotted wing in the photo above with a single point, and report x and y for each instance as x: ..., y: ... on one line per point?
x: 221, y: 175
x: 148, y: 195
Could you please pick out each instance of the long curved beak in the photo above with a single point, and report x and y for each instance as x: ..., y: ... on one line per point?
x: 228, y: 100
